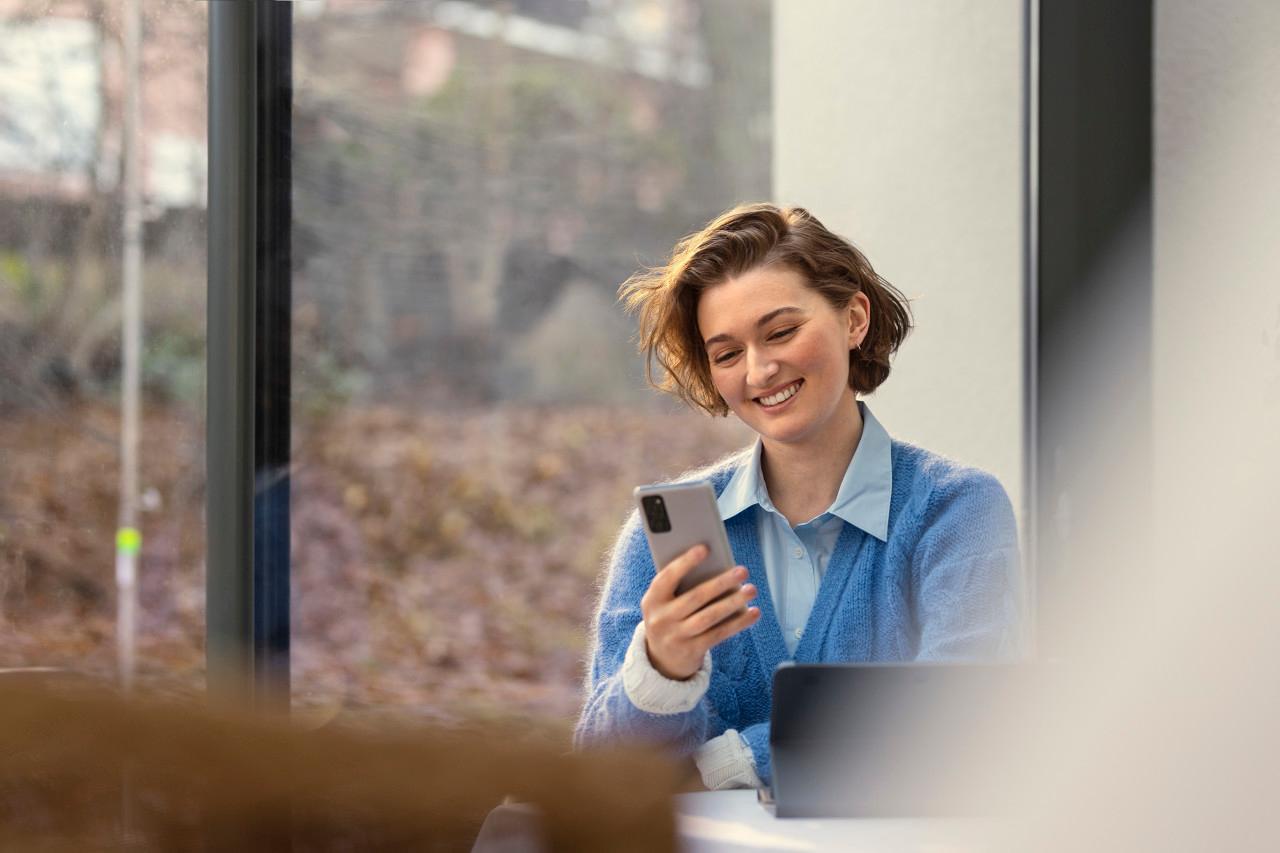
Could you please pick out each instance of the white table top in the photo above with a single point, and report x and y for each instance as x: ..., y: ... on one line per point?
x: 734, y: 822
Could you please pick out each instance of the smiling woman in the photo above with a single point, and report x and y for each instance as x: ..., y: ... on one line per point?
x: 783, y: 372
x: 753, y: 238
x: 859, y: 547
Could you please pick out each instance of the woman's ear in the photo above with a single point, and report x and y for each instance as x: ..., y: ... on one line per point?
x: 859, y: 319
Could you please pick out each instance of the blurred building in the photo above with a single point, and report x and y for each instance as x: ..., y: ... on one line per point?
x: 61, y: 101
x: 507, y: 166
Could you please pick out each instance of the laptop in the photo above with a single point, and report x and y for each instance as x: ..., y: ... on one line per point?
x: 896, y: 739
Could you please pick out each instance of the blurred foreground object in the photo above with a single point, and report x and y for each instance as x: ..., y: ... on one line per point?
x: 235, y: 781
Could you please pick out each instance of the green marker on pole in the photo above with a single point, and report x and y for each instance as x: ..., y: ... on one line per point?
x: 128, y: 540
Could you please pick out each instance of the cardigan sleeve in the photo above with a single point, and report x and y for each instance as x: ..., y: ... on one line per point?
x: 756, y: 739
x: 610, y: 715
x: 967, y: 573
x: 726, y: 761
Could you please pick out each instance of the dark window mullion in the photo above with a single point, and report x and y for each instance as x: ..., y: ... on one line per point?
x: 247, y: 433
x: 272, y: 352
x: 1094, y: 299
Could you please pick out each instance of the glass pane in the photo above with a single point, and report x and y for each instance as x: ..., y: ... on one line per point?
x: 63, y: 83
x: 472, y: 183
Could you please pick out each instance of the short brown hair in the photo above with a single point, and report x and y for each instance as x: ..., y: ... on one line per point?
x: 745, y: 238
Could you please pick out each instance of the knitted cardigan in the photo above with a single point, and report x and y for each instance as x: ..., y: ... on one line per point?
x: 946, y: 585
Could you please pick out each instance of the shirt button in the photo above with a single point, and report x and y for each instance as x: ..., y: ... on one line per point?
x: 799, y: 633
x: 798, y: 553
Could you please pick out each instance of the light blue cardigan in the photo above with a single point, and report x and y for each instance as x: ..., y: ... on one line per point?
x: 946, y: 585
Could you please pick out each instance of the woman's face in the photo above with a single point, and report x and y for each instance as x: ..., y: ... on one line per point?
x: 779, y: 353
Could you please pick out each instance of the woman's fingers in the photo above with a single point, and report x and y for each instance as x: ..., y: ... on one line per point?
x: 708, y: 591
x: 729, y: 627
x: 663, y: 587
x: 713, y: 614
x: 680, y: 629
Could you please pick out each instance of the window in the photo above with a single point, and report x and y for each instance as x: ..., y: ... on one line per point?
x: 470, y: 188
x: 63, y: 85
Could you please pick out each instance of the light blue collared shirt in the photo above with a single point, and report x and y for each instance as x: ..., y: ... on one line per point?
x: 796, y: 558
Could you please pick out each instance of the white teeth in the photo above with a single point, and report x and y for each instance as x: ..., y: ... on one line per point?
x: 784, y: 394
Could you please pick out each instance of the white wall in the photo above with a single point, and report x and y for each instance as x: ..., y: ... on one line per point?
x: 898, y: 124
x: 1217, y: 270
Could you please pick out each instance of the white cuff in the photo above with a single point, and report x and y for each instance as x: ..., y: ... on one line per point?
x: 650, y: 690
x: 726, y: 762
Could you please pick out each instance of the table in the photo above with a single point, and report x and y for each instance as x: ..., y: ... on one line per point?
x: 734, y: 822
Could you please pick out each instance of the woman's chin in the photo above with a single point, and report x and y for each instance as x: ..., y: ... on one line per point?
x: 780, y: 433
x: 789, y: 427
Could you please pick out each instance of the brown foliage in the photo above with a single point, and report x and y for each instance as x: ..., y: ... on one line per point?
x: 445, y: 563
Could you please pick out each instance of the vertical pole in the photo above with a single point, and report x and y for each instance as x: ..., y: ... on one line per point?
x: 128, y: 539
x: 232, y: 271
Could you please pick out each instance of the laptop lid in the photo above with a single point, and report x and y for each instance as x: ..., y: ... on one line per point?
x: 894, y: 739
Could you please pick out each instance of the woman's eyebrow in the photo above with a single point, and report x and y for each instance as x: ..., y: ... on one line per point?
x: 763, y: 321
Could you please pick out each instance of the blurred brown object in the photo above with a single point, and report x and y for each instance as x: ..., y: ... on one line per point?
x: 83, y: 768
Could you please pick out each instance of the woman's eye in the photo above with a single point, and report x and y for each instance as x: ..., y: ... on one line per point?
x: 782, y: 333
x: 725, y: 357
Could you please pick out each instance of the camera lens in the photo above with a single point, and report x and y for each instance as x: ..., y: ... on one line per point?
x: 655, y: 512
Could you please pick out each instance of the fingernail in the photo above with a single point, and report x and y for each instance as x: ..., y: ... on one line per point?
x: 740, y: 573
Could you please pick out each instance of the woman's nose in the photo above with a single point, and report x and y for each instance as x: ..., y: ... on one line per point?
x: 760, y: 369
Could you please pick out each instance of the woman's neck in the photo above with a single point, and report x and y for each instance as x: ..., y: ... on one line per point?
x: 803, y: 479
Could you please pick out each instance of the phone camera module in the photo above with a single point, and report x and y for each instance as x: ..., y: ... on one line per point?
x: 655, y: 513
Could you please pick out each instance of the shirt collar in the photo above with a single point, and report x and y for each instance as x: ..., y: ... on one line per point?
x: 864, y: 494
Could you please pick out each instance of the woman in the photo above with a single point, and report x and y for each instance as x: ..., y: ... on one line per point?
x: 854, y: 546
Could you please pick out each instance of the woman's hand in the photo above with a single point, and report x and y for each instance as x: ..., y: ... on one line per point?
x: 680, y: 629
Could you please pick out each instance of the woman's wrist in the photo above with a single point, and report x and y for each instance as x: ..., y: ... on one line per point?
x: 664, y: 671
x: 650, y: 690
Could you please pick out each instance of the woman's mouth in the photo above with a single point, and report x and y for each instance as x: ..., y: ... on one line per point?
x: 780, y: 398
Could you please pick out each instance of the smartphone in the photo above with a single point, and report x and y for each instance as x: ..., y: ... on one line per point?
x: 678, y: 516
